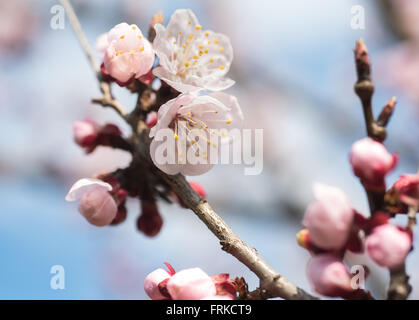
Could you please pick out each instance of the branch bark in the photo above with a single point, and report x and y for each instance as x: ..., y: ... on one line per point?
x: 272, y: 284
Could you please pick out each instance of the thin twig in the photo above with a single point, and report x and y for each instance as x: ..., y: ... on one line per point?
x: 105, y: 88
x: 80, y: 34
x: 271, y: 283
x: 399, y: 287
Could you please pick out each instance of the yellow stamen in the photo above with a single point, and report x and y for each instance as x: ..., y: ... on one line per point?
x: 222, y: 67
x: 200, y: 46
x: 122, y: 37
x: 174, y: 42
x: 198, y: 27
x: 190, y: 37
x: 211, y: 60
x: 132, y: 51
x: 176, y: 136
x: 187, y: 64
x: 195, y: 57
x: 142, y: 49
x: 216, y: 41
x: 206, y: 51
x: 207, y: 34
x: 221, y: 49
x: 169, y: 35
x: 228, y: 121
x: 133, y: 28
x: 189, y: 22
x: 139, y: 36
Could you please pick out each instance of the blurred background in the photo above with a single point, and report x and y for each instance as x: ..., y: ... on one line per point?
x: 294, y: 75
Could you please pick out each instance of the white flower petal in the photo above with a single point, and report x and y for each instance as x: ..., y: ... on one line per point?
x: 84, y: 185
x: 192, y: 59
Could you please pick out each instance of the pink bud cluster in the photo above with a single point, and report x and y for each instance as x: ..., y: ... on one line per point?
x: 188, y: 284
x: 333, y: 226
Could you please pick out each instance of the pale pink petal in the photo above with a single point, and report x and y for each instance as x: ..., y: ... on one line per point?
x: 84, y: 185
x: 190, y: 284
x: 102, y: 44
x: 151, y: 283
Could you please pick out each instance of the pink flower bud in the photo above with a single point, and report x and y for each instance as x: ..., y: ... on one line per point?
x: 85, y: 133
x: 150, y: 221
x: 407, y: 189
x: 151, y: 283
x: 151, y: 119
x: 329, y: 218
x: 329, y: 275
x: 371, y: 162
x: 388, y: 246
x: 191, y: 284
x: 96, y: 205
x: 129, y: 54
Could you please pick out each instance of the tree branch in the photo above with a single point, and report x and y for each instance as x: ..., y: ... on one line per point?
x: 272, y: 284
x: 399, y: 287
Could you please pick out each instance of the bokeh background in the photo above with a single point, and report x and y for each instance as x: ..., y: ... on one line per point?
x: 294, y: 75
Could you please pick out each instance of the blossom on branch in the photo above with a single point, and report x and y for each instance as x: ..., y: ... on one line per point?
x: 329, y: 218
x: 329, y: 276
x: 193, y: 126
x: 388, y: 245
x: 371, y: 162
x: 128, y: 53
x: 192, y: 59
x: 188, y: 284
x: 96, y: 203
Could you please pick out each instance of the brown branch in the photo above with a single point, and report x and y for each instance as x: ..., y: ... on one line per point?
x: 399, y: 287
x: 272, y: 284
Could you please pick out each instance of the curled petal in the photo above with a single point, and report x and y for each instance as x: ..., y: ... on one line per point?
x: 84, y: 185
x: 151, y: 283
